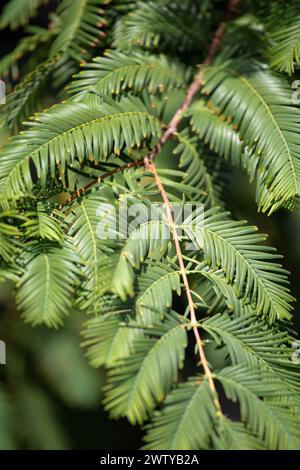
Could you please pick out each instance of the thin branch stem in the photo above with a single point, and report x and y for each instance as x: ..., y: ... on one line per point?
x: 150, y: 165
x: 194, y: 323
x: 99, y: 179
x: 196, y: 84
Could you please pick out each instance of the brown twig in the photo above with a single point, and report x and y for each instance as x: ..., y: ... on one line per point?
x: 98, y: 180
x: 150, y: 165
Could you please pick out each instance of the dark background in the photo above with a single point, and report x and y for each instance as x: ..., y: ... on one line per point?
x: 43, y: 414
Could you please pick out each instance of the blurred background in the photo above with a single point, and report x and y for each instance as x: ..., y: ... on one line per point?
x: 50, y: 398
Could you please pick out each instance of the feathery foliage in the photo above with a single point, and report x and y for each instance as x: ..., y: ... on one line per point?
x: 43, y: 294
x: 116, y: 72
x: 283, y: 31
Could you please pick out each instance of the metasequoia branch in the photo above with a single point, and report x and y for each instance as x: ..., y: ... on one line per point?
x: 194, y: 323
x: 196, y: 85
x: 150, y: 165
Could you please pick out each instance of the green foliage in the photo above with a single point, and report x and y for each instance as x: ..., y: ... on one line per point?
x: 235, y: 247
x: 137, y: 383
x: 86, y: 151
x: 275, y: 154
x: 250, y: 341
x: 283, y: 30
x: 107, y: 338
x: 44, y: 226
x: 261, y: 407
x: 72, y: 132
x: 197, y: 171
x: 117, y: 72
x: 234, y: 436
x: 156, y: 23
x: 44, y: 294
x: 80, y: 26
x: 26, y: 96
